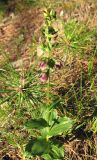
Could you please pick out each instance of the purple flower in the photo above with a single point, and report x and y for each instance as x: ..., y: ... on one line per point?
x: 42, y: 66
x: 58, y: 65
x: 44, y: 77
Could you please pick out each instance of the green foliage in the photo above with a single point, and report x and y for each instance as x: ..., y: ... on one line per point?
x: 77, y: 37
x: 20, y: 88
x: 94, y: 127
x: 47, y: 150
x: 51, y: 63
x: 38, y: 147
x: 36, y: 124
x: 48, y: 126
x: 63, y: 125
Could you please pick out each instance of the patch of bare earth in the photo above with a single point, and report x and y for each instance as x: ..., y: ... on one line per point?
x: 17, y: 32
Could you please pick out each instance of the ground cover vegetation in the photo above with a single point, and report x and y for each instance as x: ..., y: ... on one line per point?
x: 48, y: 80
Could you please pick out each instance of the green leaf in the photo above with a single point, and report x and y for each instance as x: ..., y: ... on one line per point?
x: 53, y: 14
x: 64, y: 125
x: 36, y: 124
x: 57, y: 152
x: 46, y: 157
x: 29, y: 146
x: 94, y: 127
x: 50, y: 115
x: 38, y: 147
x: 51, y: 63
x: 45, y: 132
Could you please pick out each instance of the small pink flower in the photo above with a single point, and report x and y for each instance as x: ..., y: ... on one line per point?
x: 44, y: 77
x: 43, y: 66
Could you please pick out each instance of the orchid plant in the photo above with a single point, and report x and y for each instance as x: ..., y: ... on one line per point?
x: 48, y: 124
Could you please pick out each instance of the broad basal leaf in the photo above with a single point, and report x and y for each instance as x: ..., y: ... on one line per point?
x: 36, y: 124
x: 50, y: 115
x: 38, y: 147
x: 46, y: 157
x: 57, y: 152
x: 64, y: 125
x: 45, y: 132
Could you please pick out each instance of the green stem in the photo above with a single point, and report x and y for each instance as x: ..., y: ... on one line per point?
x: 48, y: 88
